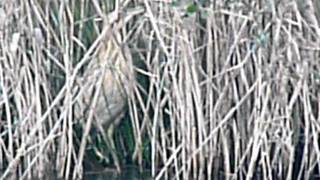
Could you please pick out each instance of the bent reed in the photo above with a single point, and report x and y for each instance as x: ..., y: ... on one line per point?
x: 186, y: 89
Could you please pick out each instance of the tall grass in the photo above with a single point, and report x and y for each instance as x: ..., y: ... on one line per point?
x: 223, y: 89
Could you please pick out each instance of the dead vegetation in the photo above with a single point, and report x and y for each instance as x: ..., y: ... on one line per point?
x: 222, y: 89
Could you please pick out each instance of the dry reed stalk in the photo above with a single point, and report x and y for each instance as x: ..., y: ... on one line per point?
x: 232, y: 88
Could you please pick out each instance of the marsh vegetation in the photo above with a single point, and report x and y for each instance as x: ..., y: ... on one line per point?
x: 215, y: 89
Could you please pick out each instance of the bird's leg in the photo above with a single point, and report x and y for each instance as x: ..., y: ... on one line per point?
x: 100, y: 153
x: 110, y: 143
x: 113, y: 148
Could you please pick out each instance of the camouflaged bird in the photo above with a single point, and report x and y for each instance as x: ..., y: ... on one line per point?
x: 108, y: 77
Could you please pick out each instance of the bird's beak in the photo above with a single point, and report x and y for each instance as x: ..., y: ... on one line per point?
x: 125, y: 14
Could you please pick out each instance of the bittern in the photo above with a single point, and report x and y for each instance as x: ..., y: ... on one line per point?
x: 106, y: 85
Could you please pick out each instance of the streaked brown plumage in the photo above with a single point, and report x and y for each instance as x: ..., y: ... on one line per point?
x: 113, y: 96
x: 108, y: 79
x: 108, y: 75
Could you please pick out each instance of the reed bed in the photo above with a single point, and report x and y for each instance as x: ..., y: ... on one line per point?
x: 222, y: 89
